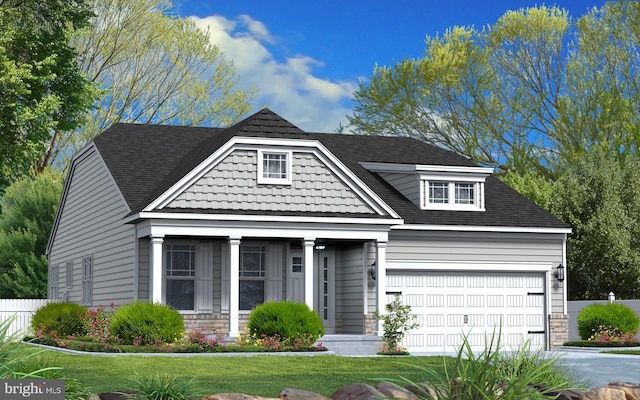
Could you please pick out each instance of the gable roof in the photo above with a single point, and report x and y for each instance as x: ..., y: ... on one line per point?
x: 146, y: 160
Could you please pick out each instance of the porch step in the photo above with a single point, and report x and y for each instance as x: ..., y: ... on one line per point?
x: 352, y: 345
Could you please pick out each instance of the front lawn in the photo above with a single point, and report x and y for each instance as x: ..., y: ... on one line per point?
x: 261, y: 375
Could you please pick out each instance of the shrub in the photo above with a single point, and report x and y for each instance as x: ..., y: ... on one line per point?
x: 396, y: 322
x: 287, y: 320
x: 593, y: 317
x: 97, y: 324
x: 162, y: 387
x: 146, y: 323
x: 58, y: 319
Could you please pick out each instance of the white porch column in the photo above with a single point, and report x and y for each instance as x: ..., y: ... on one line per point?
x: 155, y: 294
x: 234, y: 286
x: 309, y: 271
x: 381, y: 279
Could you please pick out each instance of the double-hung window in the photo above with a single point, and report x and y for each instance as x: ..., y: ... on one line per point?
x: 252, y: 276
x: 274, y: 167
x: 180, y: 276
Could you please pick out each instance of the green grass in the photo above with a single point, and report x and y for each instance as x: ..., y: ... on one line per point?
x: 261, y: 375
x: 631, y: 352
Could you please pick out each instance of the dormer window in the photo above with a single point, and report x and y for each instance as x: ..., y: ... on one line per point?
x: 436, y: 187
x: 274, y: 167
x: 452, y: 195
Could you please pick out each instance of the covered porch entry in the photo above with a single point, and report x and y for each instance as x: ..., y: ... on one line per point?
x: 337, y: 271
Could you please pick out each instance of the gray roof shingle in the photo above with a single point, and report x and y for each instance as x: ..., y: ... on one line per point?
x: 146, y: 160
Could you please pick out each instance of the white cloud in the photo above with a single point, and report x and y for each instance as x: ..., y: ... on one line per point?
x: 287, y: 87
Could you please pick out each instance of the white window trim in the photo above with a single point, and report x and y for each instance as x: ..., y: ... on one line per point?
x: 478, y: 192
x: 274, y: 181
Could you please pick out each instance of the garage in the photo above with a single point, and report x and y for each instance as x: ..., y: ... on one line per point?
x: 448, y: 304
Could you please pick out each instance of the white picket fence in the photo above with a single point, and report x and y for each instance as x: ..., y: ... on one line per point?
x: 23, y: 309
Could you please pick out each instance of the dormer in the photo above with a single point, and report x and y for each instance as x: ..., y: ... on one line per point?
x: 436, y: 187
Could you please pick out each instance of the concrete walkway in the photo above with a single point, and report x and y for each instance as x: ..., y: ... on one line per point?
x: 600, y: 369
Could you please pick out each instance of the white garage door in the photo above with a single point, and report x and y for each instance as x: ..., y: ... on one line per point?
x: 450, y: 304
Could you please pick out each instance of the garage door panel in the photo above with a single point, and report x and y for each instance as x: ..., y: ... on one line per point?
x: 475, y: 300
x: 477, y: 304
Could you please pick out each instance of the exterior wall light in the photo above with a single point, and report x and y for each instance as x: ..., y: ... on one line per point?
x: 559, y: 274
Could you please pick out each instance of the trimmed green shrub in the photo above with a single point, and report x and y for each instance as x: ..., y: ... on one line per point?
x: 146, y: 323
x: 59, y: 319
x: 593, y: 317
x: 286, y: 319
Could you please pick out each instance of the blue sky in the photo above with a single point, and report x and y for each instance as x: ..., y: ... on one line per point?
x: 306, y: 57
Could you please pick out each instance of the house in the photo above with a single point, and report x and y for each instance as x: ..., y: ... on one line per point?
x: 215, y: 221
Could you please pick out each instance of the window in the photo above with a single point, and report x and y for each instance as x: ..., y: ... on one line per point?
x: 450, y: 195
x: 465, y: 193
x: 87, y: 280
x: 274, y: 167
x: 252, y: 276
x: 438, y: 192
x: 70, y: 274
x: 180, y: 274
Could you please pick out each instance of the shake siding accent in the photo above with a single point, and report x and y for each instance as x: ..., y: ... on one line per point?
x: 407, y: 184
x: 474, y: 247
x: 232, y: 185
x: 351, y: 273
x: 90, y: 225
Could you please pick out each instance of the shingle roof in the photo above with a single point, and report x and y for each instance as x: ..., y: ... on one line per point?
x: 146, y: 160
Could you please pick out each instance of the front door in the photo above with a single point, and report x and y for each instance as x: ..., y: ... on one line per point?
x: 325, y: 283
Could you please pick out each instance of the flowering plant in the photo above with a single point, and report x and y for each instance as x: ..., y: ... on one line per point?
x: 609, y: 334
x: 96, y: 324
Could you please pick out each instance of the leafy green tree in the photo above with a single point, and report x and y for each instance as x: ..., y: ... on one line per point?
x: 533, y: 92
x: 598, y: 196
x: 29, y: 207
x: 152, y: 67
x: 41, y: 88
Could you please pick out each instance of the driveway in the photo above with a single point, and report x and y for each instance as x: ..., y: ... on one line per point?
x: 600, y: 369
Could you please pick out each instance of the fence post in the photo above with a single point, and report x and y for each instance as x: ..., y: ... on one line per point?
x: 612, y: 297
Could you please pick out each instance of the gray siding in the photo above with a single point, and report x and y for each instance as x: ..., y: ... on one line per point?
x: 476, y: 247
x: 407, y: 184
x: 90, y: 225
x: 143, y: 268
x: 351, y: 289
x: 232, y: 185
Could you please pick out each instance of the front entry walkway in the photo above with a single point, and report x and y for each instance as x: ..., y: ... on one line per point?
x: 352, y: 345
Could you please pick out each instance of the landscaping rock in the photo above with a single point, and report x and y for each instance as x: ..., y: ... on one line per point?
x: 605, y: 393
x: 386, y: 390
x: 235, y: 396
x: 357, y: 391
x: 393, y: 391
x: 299, y: 394
x: 565, y: 394
x: 631, y: 390
x: 422, y: 390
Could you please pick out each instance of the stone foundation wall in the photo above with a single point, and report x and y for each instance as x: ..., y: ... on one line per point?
x: 558, y: 330
x: 370, y: 324
x: 213, y: 324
